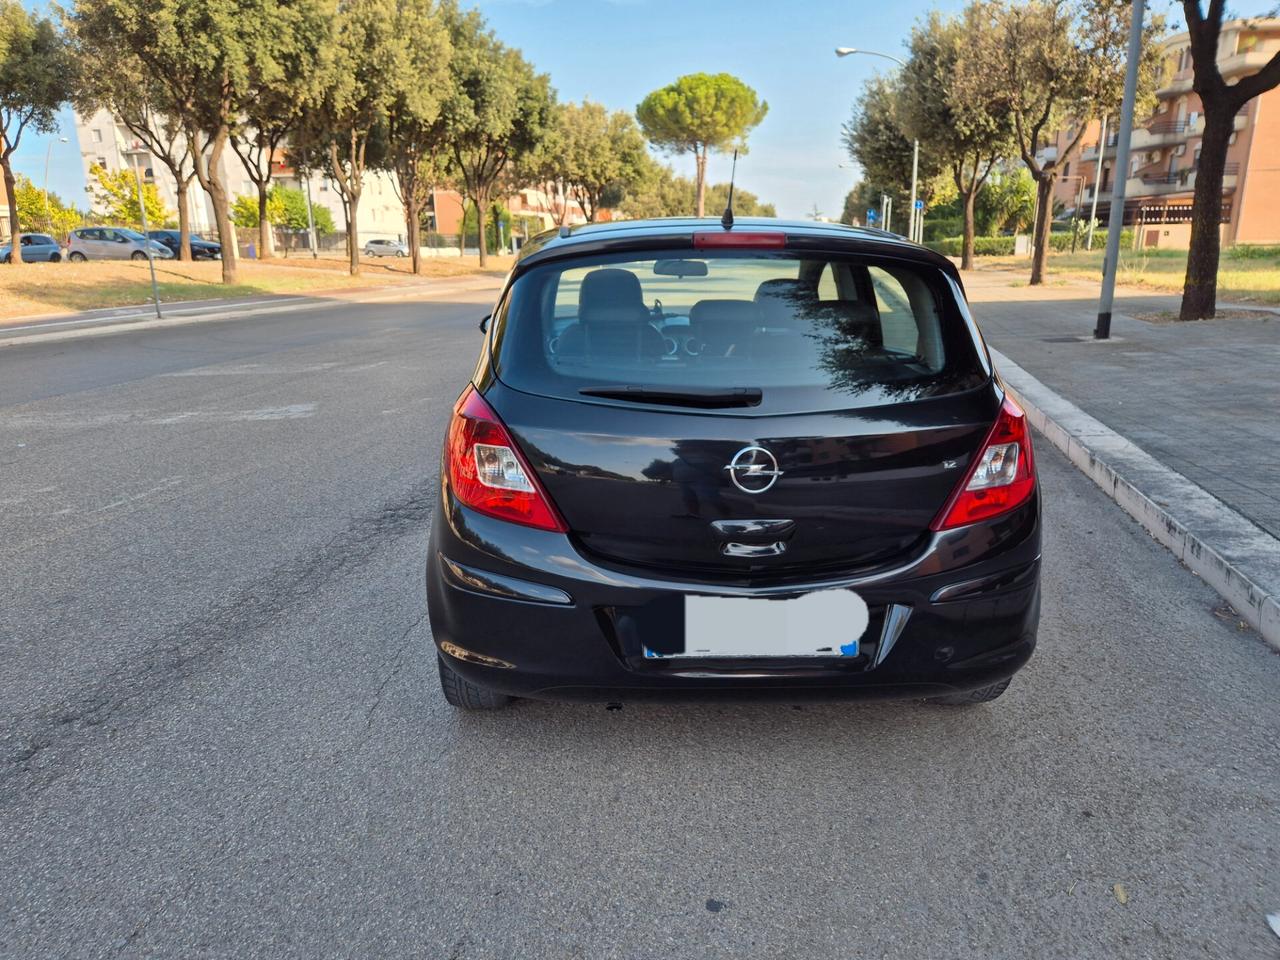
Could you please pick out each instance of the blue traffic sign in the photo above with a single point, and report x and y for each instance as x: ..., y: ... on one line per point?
x: 872, y: 216
x: 919, y: 204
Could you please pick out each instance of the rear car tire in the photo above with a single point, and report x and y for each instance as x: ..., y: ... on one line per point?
x: 55, y: 258
x: 972, y: 697
x: 77, y: 257
x: 462, y: 693
x: 137, y: 255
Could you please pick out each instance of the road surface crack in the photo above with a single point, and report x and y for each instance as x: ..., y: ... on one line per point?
x: 397, y: 663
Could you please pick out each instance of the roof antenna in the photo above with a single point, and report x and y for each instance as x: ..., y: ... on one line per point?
x: 727, y: 220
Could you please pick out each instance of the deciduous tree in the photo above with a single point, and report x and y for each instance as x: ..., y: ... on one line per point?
x: 1221, y: 102
x: 346, y: 124
x: 965, y: 134
x: 876, y: 139
x: 1050, y: 65
x: 497, y: 110
x: 115, y: 196
x: 698, y: 113
x: 113, y: 79
x: 415, y: 122
x: 35, y: 80
x: 278, y: 85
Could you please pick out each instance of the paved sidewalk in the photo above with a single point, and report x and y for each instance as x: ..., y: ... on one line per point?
x: 1202, y: 398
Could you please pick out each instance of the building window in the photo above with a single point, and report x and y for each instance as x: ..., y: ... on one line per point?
x: 1066, y: 168
x: 97, y: 135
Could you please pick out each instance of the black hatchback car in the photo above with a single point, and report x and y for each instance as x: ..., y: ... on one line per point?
x: 701, y: 462
x: 201, y: 249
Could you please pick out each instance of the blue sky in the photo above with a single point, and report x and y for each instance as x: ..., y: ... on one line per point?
x: 616, y: 51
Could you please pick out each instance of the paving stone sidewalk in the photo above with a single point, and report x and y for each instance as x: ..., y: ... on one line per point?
x: 1203, y: 398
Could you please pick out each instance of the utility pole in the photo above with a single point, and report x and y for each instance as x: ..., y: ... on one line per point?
x: 1097, y: 183
x: 1115, y: 223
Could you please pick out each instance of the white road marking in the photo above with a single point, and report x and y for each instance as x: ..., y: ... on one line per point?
x: 168, y: 483
x: 294, y: 411
x: 75, y: 420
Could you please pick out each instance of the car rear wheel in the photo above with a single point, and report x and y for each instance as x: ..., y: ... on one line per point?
x: 137, y: 255
x: 55, y: 258
x: 76, y: 257
x: 462, y: 693
x: 968, y: 699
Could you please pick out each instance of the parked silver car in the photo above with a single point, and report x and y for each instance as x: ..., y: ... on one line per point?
x: 35, y: 247
x: 386, y: 248
x: 113, y: 243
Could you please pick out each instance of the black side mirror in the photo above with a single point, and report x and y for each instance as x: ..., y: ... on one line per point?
x: 484, y: 323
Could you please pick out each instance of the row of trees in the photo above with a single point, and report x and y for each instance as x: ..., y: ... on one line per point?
x: 420, y: 89
x: 994, y: 84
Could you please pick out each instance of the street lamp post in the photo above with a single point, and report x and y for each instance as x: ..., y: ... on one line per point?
x: 48, y: 217
x: 1097, y: 182
x: 1115, y: 222
x: 915, y: 144
x: 136, y: 156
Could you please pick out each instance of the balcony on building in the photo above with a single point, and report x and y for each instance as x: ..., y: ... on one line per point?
x: 1156, y: 184
x: 1177, y: 83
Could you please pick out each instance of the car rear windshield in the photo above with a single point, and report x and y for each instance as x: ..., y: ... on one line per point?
x: 778, y: 332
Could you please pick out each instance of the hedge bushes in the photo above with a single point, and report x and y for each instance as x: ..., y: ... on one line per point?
x: 1003, y: 246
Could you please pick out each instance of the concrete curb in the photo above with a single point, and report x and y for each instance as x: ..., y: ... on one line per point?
x: 178, y: 315
x: 1229, y: 552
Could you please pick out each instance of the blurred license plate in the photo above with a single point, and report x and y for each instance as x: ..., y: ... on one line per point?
x: 829, y: 623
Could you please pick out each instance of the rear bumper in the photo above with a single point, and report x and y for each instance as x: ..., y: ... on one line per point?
x: 523, y: 612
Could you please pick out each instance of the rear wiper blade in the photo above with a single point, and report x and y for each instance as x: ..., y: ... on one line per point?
x: 679, y: 396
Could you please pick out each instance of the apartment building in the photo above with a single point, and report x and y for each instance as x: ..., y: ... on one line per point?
x: 105, y: 142
x: 1165, y: 149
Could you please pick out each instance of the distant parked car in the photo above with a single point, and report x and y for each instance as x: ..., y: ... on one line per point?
x: 386, y: 248
x: 35, y: 247
x: 113, y: 243
x: 201, y: 249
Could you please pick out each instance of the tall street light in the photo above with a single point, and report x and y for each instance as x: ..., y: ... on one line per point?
x: 1115, y: 221
x: 915, y: 144
x: 47, y: 154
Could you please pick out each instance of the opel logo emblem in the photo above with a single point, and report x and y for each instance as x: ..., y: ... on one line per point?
x: 753, y: 469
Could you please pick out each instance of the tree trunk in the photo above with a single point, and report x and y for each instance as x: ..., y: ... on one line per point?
x: 1200, y: 289
x: 414, y: 229
x: 266, y: 242
x: 353, y: 232
x: 1040, y: 233
x: 701, y: 158
x: 482, y: 201
x: 966, y: 245
x: 184, y: 218
x: 15, y: 228
x: 211, y: 179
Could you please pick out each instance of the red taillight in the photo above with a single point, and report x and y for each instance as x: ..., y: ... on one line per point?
x: 719, y: 239
x: 1002, y: 477
x: 487, y: 471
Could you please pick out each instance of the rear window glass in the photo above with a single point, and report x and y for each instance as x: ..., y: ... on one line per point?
x: 811, y: 331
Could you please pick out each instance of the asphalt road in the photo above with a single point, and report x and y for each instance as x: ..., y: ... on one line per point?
x: 221, y: 732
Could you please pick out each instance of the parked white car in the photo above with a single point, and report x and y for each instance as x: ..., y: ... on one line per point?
x: 386, y: 248
x: 113, y: 243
